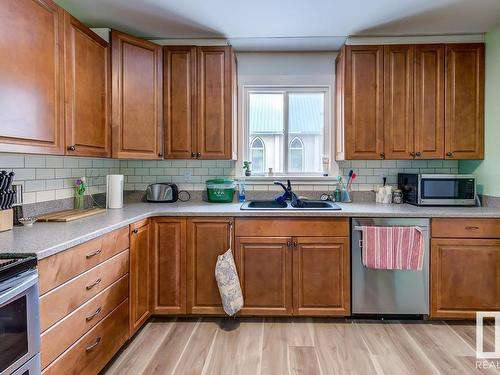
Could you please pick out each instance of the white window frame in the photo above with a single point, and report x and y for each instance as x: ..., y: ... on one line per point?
x: 286, y: 90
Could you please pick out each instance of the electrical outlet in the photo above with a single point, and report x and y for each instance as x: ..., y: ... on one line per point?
x: 188, y: 175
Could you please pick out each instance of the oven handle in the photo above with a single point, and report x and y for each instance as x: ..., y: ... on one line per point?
x: 27, y: 282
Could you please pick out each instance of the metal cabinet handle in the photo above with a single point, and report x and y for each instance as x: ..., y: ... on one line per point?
x: 90, y: 286
x: 472, y: 228
x: 294, y: 243
x: 382, y: 155
x: 412, y: 154
x: 193, y: 154
x: 418, y: 154
x: 135, y: 231
x: 198, y: 155
x: 72, y: 148
x: 289, y: 243
x: 449, y: 154
x: 93, y: 315
x: 93, y: 254
x: 94, y: 345
x: 160, y: 154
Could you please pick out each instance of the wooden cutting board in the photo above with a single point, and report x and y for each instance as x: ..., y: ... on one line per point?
x: 70, y: 215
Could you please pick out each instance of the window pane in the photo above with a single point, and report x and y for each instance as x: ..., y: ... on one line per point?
x: 266, y: 116
x: 306, y: 116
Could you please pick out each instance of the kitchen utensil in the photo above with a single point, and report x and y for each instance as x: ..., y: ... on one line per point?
x: 28, y: 221
x: 3, y: 176
x: 349, y: 177
x: 10, y: 177
x: 163, y: 192
x: 353, y: 177
x: 70, y: 215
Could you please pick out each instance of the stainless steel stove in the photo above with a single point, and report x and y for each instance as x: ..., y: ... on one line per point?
x: 19, y: 315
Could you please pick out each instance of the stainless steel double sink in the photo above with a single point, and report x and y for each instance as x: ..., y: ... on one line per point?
x: 274, y: 205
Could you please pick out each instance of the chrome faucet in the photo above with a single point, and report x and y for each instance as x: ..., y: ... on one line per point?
x: 288, y: 195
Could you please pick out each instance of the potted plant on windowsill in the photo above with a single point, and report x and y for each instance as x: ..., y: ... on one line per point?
x: 246, y: 168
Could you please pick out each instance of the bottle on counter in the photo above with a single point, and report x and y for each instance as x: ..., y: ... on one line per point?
x: 241, y: 191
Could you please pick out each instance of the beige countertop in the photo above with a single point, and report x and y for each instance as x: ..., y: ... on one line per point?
x: 45, y: 239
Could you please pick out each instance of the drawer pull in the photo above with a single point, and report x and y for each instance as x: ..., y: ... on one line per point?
x: 93, y: 315
x: 472, y: 228
x: 93, y: 254
x: 88, y: 287
x: 93, y: 346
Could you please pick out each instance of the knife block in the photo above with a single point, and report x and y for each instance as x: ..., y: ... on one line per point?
x: 6, y: 219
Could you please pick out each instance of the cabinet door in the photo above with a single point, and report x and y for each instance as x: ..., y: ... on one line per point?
x: 398, y: 102
x: 321, y: 277
x: 265, y: 271
x: 465, y: 277
x: 136, y: 97
x: 169, y: 266
x: 180, y: 101
x: 88, y: 130
x: 140, y: 279
x: 214, y: 125
x: 429, y: 101
x: 207, y: 239
x: 363, y: 102
x: 464, y: 121
x: 31, y: 77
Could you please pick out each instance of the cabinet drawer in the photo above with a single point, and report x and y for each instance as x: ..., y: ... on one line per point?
x: 63, y: 334
x: 466, y: 228
x: 305, y: 227
x: 94, y: 350
x: 65, y: 299
x: 62, y: 267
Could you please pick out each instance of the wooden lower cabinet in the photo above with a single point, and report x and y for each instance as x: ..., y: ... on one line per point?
x: 265, y: 271
x: 140, y: 278
x: 321, y: 277
x: 169, y: 266
x: 465, y: 277
x: 93, y: 351
x: 207, y: 238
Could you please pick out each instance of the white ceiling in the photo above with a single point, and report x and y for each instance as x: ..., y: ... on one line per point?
x: 286, y: 24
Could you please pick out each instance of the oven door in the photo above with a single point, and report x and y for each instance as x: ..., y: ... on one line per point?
x: 447, y: 190
x: 19, y: 321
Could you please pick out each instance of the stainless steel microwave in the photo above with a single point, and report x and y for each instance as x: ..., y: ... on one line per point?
x: 438, y: 189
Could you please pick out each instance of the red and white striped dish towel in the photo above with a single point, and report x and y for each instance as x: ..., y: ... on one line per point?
x: 393, y: 248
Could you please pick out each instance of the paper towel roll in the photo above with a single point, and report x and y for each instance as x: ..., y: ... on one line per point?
x: 114, y: 191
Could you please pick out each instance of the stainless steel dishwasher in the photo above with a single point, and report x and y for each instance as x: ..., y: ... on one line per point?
x: 388, y: 292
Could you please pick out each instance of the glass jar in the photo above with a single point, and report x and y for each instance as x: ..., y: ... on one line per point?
x: 397, y: 196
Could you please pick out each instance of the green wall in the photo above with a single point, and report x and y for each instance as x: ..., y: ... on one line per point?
x: 488, y: 170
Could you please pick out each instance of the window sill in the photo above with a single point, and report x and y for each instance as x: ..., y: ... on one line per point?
x: 296, y: 180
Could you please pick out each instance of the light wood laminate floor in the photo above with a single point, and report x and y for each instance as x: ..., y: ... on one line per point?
x: 301, y: 346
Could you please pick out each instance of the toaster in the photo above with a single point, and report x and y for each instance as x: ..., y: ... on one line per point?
x: 162, y: 192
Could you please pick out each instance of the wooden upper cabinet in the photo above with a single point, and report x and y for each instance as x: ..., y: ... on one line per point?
x: 207, y: 238
x: 465, y: 277
x: 363, y: 102
x: 398, y: 101
x: 136, y: 97
x: 265, y: 271
x: 87, y: 80
x: 179, y: 77
x: 464, y: 101
x: 31, y: 77
x: 215, y: 102
x: 169, y: 265
x: 140, y: 276
x: 429, y: 101
x: 321, y: 276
